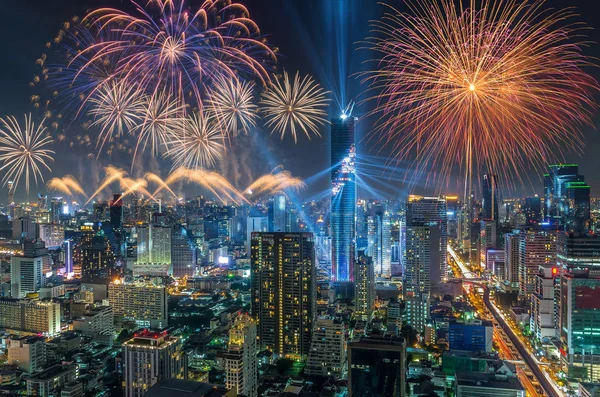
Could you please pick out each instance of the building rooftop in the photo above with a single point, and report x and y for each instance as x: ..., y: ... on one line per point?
x: 186, y: 388
x: 487, y: 381
x: 52, y: 372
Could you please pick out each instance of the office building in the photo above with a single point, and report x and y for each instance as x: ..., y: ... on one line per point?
x: 150, y: 357
x: 283, y: 291
x: 542, y: 319
x: 375, y: 358
x: 343, y: 198
x: 256, y: 222
x: 240, y: 361
x: 510, y: 280
x: 567, y: 199
x: 28, y: 353
x: 30, y: 316
x: 364, y: 287
x: 578, y: 251
x: 533, y: 210
x: 537, y: 247
x: 26, y: 275
x: 327, y: 355
x: 475, y: 336
x: 579, y: 321
x: 142, y: 302
x: 577, y: 207
x: 183, y: 252
x: 56, y: 209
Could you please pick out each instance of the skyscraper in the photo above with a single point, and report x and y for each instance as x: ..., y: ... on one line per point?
x: 116, y: 222
x: 56, y: 209
x: 425, y: 246
x: 577, y: 207
x: 343, y: 197
x: 490, y: 197
x: 241, y: 366
x: 26, y: 275
x: 149, y: 357
x: 93, y: 254
x: 153, y: 250
x: 364, y: 286
x: 283, y: 291
x: 567, y: 200
x: 183, y: 252
x: 537, y: 248
x: 277, y: 214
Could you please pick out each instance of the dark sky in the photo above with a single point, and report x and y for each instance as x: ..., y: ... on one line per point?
x: 312, y: 36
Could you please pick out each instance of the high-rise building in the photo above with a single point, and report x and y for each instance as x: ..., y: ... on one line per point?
x: 567, y: 201
x: 533, y: 210
x: 476, y: 335
x: 578, y: 251
x: 327, y: 355
x: 283, y: 291
x: 52, y: 234
x: 93, y: 254
x: 364, y: 286
x: 42, y: 201
x: 343, y: 198
x: 375, y: 358
x: 537, y: 247
x: 256, y: 222
x: 116, y: 222
x: 150, y: 357
x: 511, y: 261
x: 56, y: 209
x: 579, y: 321
x: 11, y: 192
x: 490, y: 198
x: 241, y: 366
x: 277, y: 214
x: 153, y: 250
x: 453, y: 212
x: 577, y: 207
x: 425, y: 246
x: 98, y: 324
x: 542, y: 319
x: 24, y: 228
x: 183, y: 252
x: 27, y: 352
x: 27, y: 270
x: 30, y: 316
x: 142, y: 302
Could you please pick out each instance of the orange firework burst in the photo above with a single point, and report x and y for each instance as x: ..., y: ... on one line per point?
x: 500, y: 85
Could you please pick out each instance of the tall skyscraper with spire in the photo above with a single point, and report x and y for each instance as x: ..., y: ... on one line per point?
x: 343, y: 197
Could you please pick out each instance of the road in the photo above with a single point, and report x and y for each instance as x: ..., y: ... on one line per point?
x: 549, y: 388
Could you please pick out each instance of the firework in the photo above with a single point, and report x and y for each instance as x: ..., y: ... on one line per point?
x: 198, y: 144
x: 116, y: 107
x: 212, y: 181
x: 152, y: 177
x: 296, y: 105
x: 231, y: 101
x: 113, y: 174
x: 169, y: 46
x: 67, y: 185
x: 498, y: 85
x: 278, y: 181
x: 24, y: 150
x: 160, y: 121
x: 134, y: 186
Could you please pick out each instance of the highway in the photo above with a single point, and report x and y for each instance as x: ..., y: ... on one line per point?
x: 549, y: 388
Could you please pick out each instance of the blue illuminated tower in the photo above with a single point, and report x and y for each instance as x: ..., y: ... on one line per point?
x: 343, y: 198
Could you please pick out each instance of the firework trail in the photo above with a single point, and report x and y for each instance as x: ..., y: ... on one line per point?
x: 113, y: 174
x: 170, y: 47
x: 198, y: 143
x: 134, y: 186
x: 24, y: 150
x: 152, y: 177
x: 276, y: 182
x: 212, y: 181
x: 67, y: 185
x: 231, y: 102
x: 296, y: 105
x: 499, y: 85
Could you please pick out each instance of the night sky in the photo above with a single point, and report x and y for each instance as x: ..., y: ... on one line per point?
x: 319, y: 37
